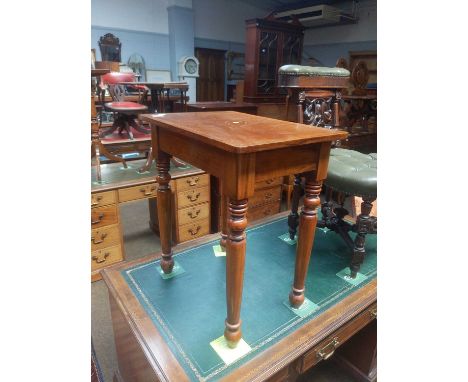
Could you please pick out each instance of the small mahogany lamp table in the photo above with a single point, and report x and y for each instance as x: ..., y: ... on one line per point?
x: 241, y: 149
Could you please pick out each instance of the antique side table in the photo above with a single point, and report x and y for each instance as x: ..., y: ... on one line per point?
x: 241, y: 149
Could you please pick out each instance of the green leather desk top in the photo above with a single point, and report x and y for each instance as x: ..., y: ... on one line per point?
x: 189, y: 309
x: 115, y: 176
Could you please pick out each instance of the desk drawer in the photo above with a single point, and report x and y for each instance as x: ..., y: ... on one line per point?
x: 102, y: 216
x: 265, y: 195
x: 191, y: 182
x: 194, y: 213
x: 262, y: 211
x: 138, y: 192
x: 194, y: 230
x: 268, y: 183
x: 195, y: 196
x: 326, y: 348
x: 102, y: 198
x: 104, y: 237
x: 106, y: 256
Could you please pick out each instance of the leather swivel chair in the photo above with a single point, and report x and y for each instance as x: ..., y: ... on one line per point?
x: 316, y: 93
x: 125, y: 112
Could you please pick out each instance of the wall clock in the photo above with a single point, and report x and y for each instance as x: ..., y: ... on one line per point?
x: 188, y: 66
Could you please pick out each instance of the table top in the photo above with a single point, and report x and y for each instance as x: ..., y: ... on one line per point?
x: 241, y: 133
x: 221, y: 105
x: 159, y: 85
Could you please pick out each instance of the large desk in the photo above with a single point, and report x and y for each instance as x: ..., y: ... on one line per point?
x: 121, y: 185
x: 241, y: 149
x: 163, y: 327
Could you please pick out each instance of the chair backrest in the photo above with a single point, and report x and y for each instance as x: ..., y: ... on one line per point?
x: 110, y: 47
x: 111, y: 82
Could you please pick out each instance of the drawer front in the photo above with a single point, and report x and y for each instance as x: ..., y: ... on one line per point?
x: 268, y: 183
x: 104, y: 237
x: 193, y: 230
x: 106, y: 256
x: 191, y: 182
x: 103, y: 216
x: 326, y: 348
x: 138, y: 192
x: 263, y: 211
x: 194, y: 213
x: 195, y: 196
x: 102, y: 198
x: 266, y: 195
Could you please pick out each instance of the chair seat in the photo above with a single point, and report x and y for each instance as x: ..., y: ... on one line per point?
x: 352, y: 172
x: 312, y: 71
x: 125, y: 107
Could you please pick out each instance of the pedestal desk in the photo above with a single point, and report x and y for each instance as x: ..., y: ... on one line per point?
x: 240, y: 149
x: 121, y: 185
x: 163, y: 327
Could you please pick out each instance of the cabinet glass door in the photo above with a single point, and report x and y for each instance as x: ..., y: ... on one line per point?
x: 267, y: 65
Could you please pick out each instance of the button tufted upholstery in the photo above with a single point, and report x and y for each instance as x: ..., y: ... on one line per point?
x: 352, y: 172
x: 301, y: 70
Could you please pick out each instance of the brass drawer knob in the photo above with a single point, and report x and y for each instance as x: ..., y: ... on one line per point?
x: 190, y: 230
x: 194, y: 214
x: 99, y: 218
x: 95, y: 201
x: 193, y: 198
x: 148, y: 191
x: 192, y: 181
x: 100, y: 259
x: 328, y: 350
x: 99, y: 241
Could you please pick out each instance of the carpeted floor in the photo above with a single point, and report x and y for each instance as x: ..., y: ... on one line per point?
x: 140, y: 241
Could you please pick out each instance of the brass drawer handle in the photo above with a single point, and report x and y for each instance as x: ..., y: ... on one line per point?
x: 103, y: 236
x: 269, y: 181
x: 268, y: 195
x: 193, y: 181
x: 99, y: 259
x: 146, y: 192
x: 95, y: 201
x: 373, y: 313
x: 328, y: 350
x: 101, y: 215
x: 189, y: 197
x: 196, y: 213
x: 196, y: 231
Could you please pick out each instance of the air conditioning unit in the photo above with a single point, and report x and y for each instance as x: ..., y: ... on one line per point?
x: 318, y: 15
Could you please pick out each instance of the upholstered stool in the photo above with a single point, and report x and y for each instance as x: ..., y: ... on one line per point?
x: 352, y: 174
x: 316, y: 93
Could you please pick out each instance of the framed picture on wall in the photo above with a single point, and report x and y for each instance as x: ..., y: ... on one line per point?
x: 157, y: 75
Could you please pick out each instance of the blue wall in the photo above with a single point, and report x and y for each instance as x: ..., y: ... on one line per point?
x: 153, y: 47
x: 328, y: 54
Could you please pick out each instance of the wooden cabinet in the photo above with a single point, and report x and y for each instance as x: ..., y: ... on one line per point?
x: 127, y: 185
x: 270, y: 43
x: 191, y: 212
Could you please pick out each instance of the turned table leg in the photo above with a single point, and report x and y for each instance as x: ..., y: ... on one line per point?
x: 305, y: 239
x: 224, y: 221
x: 364, y: 224
x: 293, y: 218
x: 235, y: 261
x: 164, y: 211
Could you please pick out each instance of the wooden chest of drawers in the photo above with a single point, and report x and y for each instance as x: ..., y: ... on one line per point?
x: 127, y: 185
x: 191, y: 201
x: 106, y: 234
